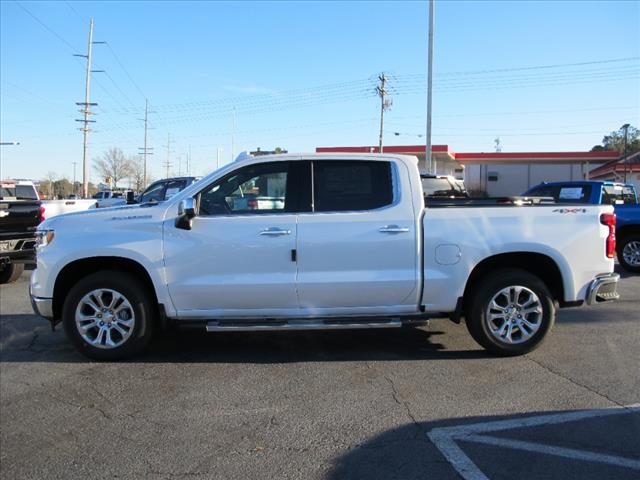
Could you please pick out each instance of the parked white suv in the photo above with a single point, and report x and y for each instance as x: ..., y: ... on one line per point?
x: 344, y: 242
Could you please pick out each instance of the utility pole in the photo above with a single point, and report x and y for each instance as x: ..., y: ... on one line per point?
x: 189, y: 162
x: 86, y: 112
x: 233, y: 133
x: 167, y: 163
x: 431, y: 165
x: 74, y: 177
x: 625, y: 127
x: 145, y: 150
x: 218, y: 150
x: 385, y: 104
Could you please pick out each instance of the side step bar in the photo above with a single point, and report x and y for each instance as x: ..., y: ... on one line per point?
x: 295, y: 325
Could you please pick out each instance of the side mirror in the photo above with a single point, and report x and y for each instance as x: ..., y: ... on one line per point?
x: 131, y: 197
x: 186, y: 211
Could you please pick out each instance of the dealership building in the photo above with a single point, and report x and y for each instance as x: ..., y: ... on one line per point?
x: 511, y: 173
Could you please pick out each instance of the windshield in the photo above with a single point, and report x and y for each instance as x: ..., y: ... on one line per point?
x: 618, y: 195
x: 20, y: 192
x: 441, y: 187
x: 563, y: 193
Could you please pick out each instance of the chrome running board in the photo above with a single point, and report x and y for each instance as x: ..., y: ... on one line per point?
x: 295, y: 325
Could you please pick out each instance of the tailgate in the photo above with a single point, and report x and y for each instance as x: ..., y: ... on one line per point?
x: 20, y: 216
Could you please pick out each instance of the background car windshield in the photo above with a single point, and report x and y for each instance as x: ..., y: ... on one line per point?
x: 563, y: 194
x: 617, y: 195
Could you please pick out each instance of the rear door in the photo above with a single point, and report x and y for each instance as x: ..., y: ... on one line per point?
x: 357, y: 249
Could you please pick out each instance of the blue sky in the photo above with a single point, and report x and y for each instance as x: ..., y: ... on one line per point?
x: 301, y: 75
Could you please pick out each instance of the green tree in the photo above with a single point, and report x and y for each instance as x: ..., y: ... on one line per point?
x: 615, y: 142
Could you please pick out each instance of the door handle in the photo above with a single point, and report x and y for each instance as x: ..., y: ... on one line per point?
x: 275, y: 232
x: 393, y: 229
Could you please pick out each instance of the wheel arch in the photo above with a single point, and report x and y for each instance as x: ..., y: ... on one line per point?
x: 627, y: 230
x: 73, y: 272
x: 539, y: 264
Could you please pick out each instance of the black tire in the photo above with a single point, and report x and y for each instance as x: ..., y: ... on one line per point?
x: 138, y: 297
x: 479, y: 326
x: 622, y: 242
x: 10, y: 273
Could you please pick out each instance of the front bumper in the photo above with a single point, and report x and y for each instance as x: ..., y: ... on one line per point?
x: 17, y: 250
x: 42, y: 307
x: 603, y: 289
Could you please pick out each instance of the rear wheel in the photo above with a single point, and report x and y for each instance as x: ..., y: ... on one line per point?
x: 628, y: 250
x: 511, y: 312
x: 108, y: 316
x: 11, y: 272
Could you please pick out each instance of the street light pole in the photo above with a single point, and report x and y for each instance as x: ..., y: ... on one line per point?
x: 430, y: 165
x: 625, y: 127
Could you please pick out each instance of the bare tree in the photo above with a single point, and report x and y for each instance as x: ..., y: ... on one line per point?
x: 50, y: 183
x: 137, y: 174
x: 113, y: 165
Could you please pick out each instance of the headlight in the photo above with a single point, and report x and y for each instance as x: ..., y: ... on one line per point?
x: 44, y: 238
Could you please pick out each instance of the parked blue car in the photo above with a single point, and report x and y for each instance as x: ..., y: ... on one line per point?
x: 624, y: 199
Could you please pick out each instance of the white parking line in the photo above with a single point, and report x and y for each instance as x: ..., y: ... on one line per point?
x: 445, y: 439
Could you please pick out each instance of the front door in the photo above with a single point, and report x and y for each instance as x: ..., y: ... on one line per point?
x: 237, y: 258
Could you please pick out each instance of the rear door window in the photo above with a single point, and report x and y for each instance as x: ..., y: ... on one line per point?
x: 344, y: 186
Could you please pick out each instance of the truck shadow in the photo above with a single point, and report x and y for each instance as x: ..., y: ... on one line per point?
x: 25, y: 338
x: 624, y: 273
x: 407, y: 452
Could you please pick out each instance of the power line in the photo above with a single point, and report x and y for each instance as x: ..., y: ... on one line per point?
x: 75, y: 11
x: 125, y: 70
x: 44, y: 25
x: 534, y: 67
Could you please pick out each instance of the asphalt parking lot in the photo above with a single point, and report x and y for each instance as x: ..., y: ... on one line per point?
x: 407, y: 403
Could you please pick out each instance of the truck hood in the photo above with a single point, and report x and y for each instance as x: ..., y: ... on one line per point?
x: 105, y: 217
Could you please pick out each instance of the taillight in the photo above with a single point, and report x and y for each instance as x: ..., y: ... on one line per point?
x: 609, y: 219
x: 252, y: 204
x: 41, y: 213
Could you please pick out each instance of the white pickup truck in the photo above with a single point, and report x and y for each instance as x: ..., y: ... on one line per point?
x: 350, y: 244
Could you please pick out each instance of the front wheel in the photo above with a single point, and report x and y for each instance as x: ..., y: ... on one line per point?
x: 510, y: 312
x: 108, y: 316
x: 629, y: 252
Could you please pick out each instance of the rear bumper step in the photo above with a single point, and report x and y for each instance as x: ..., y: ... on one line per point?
x: 296, y: 325
x: 603, y: 289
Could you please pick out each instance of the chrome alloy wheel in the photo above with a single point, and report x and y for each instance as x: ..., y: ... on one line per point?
x: 105, y: 318
x: 514, y: 314
x: 631, y: 253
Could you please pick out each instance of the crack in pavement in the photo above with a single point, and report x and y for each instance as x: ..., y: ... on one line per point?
x: 574, y: 382
x: 92, y: 406
x: 395, y: 395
